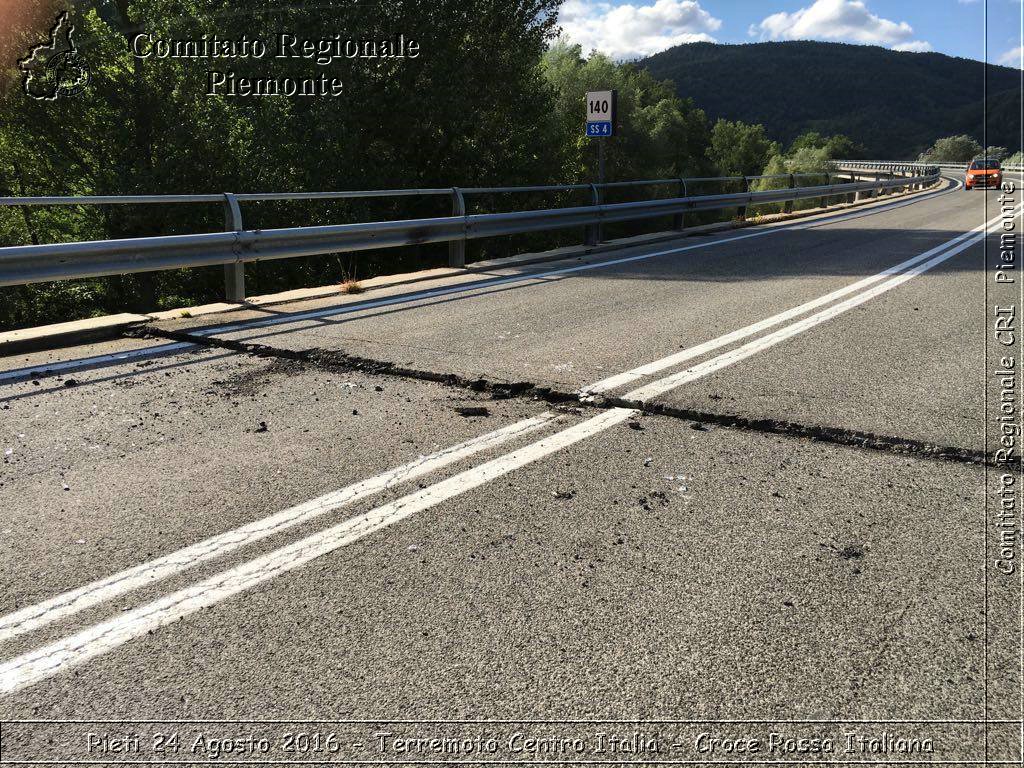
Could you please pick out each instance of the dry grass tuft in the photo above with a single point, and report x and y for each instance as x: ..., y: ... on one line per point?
x: 352, y: 286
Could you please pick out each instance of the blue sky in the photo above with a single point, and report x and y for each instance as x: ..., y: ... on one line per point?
x: 629, y: 28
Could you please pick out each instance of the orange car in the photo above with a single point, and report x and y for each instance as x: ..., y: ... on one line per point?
x: 983, y: 173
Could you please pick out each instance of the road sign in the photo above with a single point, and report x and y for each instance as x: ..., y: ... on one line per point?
x: 601, y: 113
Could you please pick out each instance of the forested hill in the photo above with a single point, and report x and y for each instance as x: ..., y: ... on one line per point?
x: 894, y: 103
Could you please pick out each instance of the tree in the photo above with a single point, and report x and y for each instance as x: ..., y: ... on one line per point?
x: 658, y: 135
x: 472, y: 109
x: 810, y: 139
x: 806, y: 159
x: 952, y: 149
x: 837, y: 147
x: 738, y: 149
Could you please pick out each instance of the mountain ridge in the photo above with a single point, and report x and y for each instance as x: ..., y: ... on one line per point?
x: 796, y: 86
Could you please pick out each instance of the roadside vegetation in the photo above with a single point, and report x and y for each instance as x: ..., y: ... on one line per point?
x: 497, y: 102
x: 963, y: 149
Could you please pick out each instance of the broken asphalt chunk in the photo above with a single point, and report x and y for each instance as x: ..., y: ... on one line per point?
x: 472, y: 410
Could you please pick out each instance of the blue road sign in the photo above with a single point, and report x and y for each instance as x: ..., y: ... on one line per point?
x: 603, y: 128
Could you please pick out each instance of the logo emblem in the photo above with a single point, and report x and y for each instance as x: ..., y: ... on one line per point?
x: 54, y: 69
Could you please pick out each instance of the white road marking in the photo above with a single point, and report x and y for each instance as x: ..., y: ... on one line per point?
x: 69, y: 603
x: 69, y: 366
x: 32, y: 667
x: 38, y: 665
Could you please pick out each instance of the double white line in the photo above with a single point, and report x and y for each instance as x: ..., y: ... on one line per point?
x: 34, y: 666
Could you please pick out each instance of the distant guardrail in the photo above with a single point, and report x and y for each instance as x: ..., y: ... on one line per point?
x: 882, y: 165
x: 233, y: 248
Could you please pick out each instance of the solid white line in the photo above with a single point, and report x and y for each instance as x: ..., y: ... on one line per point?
x: 437, y: 292
x: 18, y: 374
x: 37, y: 665
x: 61, y: 606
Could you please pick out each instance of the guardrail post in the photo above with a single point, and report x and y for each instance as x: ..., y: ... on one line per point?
x: 234, y: 272
x: 679, y: 220
x: 788, y: 207
x: 866, y: 194
x: 824, y: 198
x: 457, y: 248
x: 593, y: 233
x: 741, y: 212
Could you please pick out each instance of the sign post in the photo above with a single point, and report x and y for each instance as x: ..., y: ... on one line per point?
x: 601, y: 109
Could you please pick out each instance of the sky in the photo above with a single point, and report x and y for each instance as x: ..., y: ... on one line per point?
x: 627, y: 29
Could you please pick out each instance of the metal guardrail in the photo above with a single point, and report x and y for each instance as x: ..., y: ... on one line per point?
x: 895, y: 165
x: 20, y: 265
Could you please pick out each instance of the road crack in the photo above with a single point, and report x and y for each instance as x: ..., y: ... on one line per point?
x: 333, y: 360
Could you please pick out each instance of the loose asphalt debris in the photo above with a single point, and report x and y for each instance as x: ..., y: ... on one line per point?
x: 472, y: 410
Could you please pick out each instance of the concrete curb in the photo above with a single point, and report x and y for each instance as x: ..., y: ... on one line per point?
x: 68, y: 334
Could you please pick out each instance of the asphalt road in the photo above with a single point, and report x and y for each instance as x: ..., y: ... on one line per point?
x: 729, y: 485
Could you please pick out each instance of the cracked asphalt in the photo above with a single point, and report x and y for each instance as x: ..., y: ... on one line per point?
x: 664, y: 568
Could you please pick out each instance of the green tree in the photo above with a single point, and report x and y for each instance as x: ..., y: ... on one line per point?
x: 658, y: 135
x: 809, y: 164
x: 739, y: 149
x: 811, y: 139
x: 472, y: 109
x: 808, y: 160
x: 837, y: 147
x: 952, y: 149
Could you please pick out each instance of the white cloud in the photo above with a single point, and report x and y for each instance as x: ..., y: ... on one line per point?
x: 629, y: 31
x: 1013, y: 58
x: 846, y: 20
x: 915, y: 46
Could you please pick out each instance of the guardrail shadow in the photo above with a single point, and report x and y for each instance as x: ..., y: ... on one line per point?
x: 863, y: 253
